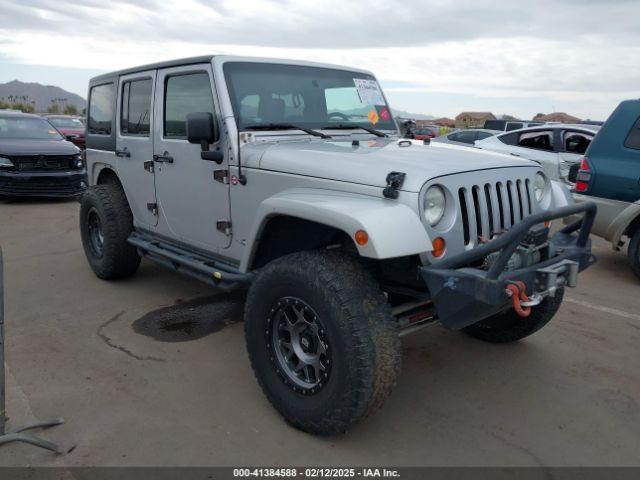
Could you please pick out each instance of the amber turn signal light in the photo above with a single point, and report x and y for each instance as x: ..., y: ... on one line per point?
x: 438, y: 245
x: 361, y: 237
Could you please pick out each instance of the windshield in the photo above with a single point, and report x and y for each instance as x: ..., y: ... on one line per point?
x: 27, y: 128
x: 66, y: 122
x: 311, y: 97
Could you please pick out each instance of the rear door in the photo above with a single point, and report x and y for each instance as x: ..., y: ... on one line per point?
x: 191, y: 201
x: 134, y: 144
x: 538, y: 145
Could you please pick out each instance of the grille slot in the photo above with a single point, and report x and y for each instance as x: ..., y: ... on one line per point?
x: 487, y: 210
x: 37, y: 163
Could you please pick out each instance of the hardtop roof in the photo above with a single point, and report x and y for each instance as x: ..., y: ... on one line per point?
x: 152, y: 66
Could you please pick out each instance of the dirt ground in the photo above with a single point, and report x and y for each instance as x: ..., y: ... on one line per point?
x: 153, y: 371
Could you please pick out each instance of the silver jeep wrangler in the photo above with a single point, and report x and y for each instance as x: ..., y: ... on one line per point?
x: 288, y: 178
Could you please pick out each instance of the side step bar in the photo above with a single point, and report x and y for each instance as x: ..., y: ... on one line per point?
x: 189, y: 263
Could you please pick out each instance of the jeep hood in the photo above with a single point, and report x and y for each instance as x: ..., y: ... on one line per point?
x: 370, y: 161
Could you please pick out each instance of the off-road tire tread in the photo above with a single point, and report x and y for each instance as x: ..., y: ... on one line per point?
x: 519, y: 327
x: 372, y: 335
x: 120, y: 258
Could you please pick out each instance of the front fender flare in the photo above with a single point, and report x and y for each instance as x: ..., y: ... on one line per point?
x: 394, y: 229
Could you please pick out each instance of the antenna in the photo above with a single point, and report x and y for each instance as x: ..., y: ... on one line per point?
x: 241, y: 177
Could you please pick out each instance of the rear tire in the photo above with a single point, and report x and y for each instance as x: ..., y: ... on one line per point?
x: 509, y: 326
x: 634, y: 252
x: 106, y: 222
x: 325, y: 306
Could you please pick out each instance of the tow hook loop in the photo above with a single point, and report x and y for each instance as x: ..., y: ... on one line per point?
x: 517, y: 292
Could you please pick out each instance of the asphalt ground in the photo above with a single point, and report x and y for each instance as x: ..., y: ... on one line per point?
x: 152, y: 371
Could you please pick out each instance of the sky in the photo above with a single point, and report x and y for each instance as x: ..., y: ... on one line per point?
x: 435, y: 57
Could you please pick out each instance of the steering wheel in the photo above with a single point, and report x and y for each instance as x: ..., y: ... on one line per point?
x: 338, y: 115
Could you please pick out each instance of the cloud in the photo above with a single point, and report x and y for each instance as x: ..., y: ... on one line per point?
x: 570, y: 50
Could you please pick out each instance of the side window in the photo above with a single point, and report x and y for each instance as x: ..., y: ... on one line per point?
x: 466, y: 137
x: 633, y: 139
x: 538, y: 140
x: 510, y: 139
x: 136, y: 105
x: 101, y: 100
x: 514, y: 126
x: 483, y: 135
x: 185, y: 94
x: 576, y: 142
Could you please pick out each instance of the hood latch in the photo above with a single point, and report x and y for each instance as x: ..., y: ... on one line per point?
x: 394, y: 183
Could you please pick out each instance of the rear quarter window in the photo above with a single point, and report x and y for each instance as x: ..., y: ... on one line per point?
x: 633, y: 139
x: 101, y: 103
x: 510, y: 139
x: 101, y: 133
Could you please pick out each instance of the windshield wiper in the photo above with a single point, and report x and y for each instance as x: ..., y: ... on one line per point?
x: 285, y: 126
x: 350, y: 126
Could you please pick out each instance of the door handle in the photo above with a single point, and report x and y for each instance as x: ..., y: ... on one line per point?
x: 164, y: 158
x: 123, y: 153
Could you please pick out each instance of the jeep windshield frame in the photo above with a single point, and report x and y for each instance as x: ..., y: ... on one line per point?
x: 312, y: 97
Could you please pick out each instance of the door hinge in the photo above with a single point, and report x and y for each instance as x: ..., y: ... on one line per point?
x: 224, y: 226
x: 221, y: 176
x: 148, y: 166
x: 153, y: 208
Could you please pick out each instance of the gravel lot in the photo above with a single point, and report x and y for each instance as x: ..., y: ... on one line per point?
x: 153, y: 371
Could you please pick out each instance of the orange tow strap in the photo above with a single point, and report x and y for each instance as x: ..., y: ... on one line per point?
x: 518, y: 294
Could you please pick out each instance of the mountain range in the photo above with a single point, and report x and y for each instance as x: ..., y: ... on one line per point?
x: 42, y: 95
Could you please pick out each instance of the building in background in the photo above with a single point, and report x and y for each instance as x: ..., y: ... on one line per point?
x: 444, y: 122
x: 556, y: 117
x: 473, y: 119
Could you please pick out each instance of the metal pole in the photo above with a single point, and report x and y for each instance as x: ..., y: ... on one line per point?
x: 16, y: 434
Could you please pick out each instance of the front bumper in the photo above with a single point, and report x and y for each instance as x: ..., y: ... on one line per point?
x: 465, y: 295
x: 68, y: 183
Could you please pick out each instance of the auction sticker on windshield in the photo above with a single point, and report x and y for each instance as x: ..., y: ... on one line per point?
x: 369, y: 91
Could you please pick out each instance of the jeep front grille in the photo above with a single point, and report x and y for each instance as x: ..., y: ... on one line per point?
x: 492, y: 208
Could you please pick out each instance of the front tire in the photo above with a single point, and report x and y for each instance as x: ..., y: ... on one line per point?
x: 106, y: 222
x: 322, y: 341
x: 509, y: 326
x: 634, y: 252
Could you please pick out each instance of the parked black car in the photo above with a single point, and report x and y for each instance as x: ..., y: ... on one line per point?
x: 36, y: 160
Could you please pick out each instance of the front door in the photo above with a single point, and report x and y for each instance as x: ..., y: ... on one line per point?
x: 134, y: 144
x: 190, y: 201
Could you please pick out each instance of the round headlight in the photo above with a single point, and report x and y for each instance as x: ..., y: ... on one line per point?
x: 434, y: 203
x: 5, y: 162
x: 539, y: 186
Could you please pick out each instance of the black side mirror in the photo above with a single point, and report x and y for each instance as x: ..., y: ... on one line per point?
x: 202, y: 129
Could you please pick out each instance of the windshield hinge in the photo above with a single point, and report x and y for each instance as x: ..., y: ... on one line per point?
x: 394, y: 183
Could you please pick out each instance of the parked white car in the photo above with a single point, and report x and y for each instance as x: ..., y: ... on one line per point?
x: 466, y: 137
x: 555, y: 147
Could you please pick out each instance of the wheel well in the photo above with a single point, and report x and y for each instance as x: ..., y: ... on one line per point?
x: 284, y: 235
x: 108, y: 177
x: 633, y: 226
